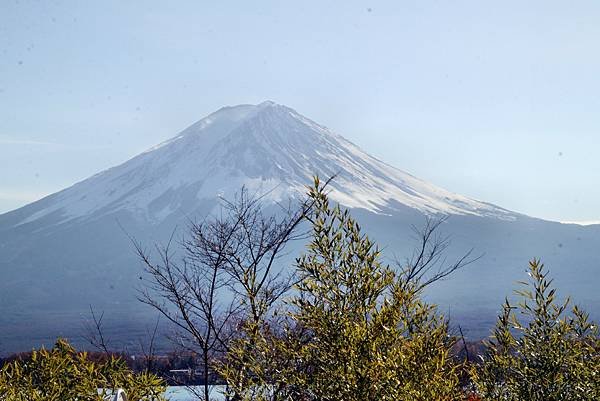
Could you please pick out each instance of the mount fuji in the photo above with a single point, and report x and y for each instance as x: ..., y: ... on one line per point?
x: 70, y: 250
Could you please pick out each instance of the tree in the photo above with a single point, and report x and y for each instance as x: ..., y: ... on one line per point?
x: 544, y: 355
x: 95, y: 336
x: 62, y: 374
x: 355, y: 330
x: 231, y: 256
x: 427, y: 263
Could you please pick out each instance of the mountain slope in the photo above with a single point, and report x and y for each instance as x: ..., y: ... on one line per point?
x: 71, y: 249
x: 268, y: 147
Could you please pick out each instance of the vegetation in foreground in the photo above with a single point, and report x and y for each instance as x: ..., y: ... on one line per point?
x: 63, y: 374
x: 352, y: 329
x: 538, y: 351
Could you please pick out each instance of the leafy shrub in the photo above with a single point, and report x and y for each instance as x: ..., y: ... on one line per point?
x: 544, y: 355
x: 355, y: 330
x: 62, y: 374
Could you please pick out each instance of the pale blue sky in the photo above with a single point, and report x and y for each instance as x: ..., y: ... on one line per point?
x: 496, y: 100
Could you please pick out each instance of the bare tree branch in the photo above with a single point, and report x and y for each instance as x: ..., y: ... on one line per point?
x: 148, y: 349
x: 428, y: 264
x: 94, y: 333
x: 225, y: 273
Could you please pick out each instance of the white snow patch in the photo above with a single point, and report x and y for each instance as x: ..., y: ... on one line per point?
x: 271, y: 150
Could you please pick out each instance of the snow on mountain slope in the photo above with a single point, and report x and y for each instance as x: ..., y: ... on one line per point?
x: 72, y: 249
x: 270, y: 149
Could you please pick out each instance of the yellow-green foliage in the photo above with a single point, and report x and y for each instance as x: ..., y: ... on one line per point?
x: 371, y: 336
x: 62, y: 374
x: 353, y: 331
x: 260, y: 365
x: 544, y: 355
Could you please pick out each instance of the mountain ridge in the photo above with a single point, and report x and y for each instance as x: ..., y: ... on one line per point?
x: 271, y: 145
x: 68, y: 251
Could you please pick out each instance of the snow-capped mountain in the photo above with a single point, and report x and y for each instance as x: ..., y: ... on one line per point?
x: 71, y: 249
x: 270, y: 149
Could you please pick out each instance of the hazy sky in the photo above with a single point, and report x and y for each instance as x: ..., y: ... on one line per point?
x: 495, y: 100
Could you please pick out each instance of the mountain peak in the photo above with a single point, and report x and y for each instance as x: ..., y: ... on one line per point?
x: 269, y: 148
x: 246, y: 109
x: 267, y: 103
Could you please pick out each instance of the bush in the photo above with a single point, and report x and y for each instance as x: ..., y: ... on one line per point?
x: 544, y: 355
x: 355, y: 330
x: 62, y: 374
x: 371, y: 336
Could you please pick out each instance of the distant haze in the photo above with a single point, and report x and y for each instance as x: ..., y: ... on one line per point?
x: 496, y: 101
